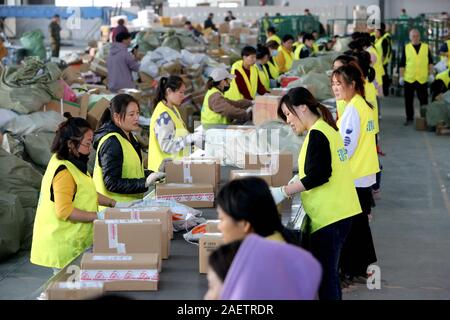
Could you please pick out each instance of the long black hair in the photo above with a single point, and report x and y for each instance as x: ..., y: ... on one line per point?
x: 71, y: 130
x: 262, y: 51
x: 118, y: 105
x: 250, y: 199
x: 173, y: 83
x: 220, y: 259
x: 299, y: 96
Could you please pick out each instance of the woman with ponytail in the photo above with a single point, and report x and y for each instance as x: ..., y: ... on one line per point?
x: 324, y: 182
x: 169, y: 138
x: 68, y: 202
x: 357, y: 128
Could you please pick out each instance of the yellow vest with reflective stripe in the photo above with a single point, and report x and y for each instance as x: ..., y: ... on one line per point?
x: 379, y: 47
x: 416, y: 68
x: 207, y: 115
x: 336, y: 199
x: 298, y: 50
x: 273, y: 69
x: 288, y: 57
x: 378, y: 66
x: 252, y: 84
x: 444, y: 76
x: 364, y: 160
x: 57, y: 242
x: 264, y: 77
x: 132, y: 168
x: 274, y: 38
x: 155, y: 155
x: 448, y: 53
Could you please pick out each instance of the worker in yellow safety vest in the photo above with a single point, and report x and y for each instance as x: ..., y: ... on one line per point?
x: 119, y: 164
x: 305, y: 49
x: 444, y: 51
x: 247, y: 83
x: 416, y: 70
x: 324, y: 173
x: 285, y: 55
x: 274, y: 70
x: 169, y: 139
x: 444, y: 76
x: 217, y: 109
x: 68, y: 201
x: 272, y: 35
x: 383, y: 45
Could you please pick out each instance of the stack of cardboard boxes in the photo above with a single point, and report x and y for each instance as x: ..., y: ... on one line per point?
x: 209, y: 241
x: 265, y: 109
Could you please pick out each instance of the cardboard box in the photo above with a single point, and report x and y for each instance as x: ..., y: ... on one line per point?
x: 264, y: 174
x: 171, y: 68
x: 207, y: 244
x: 265, y: 109
x: 280, y: 165
x: 278, y: 91
x: 130, y: 272
x: 225, y: 60
x: 62, y: 106
x: 192, y: 195
x: 212, y: 226
x: 96, y: 111
x: 194, y: 171
x: 135, y: 93
x: 128, y: 236
x: 224, y: 27
x: 99, y: 67
x: 75, y: 290
x: 72, y: 75
x: 163, y: 214
x: 421, y: 124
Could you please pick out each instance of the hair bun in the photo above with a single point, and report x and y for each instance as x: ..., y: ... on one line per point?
x: 67, y: 115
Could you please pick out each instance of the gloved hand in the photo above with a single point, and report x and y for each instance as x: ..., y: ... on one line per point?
x: 153, y: 177
x: 401, y: 81
x: 278, y: 194
x: 430, y: 78
x: 295, y: 179
x: 101, y: 214
x: 196, y: 138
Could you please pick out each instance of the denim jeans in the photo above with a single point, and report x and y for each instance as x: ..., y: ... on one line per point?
x: 326, y: 245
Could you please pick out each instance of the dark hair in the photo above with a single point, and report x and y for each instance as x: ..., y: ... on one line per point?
x: 248, y: 51
x: 355, y: 45
x: 363, y: 61
x: 122, y: 36
x: 271, y: 29
x: 250, y: 199
x: 352, y: 73
x: 344, y: 58
x: 187, y: 23
x: 211, y: 83
x: 382, y: 28
x: 220, y: 259
x: 120, y: 22
x: 210, y: 14
x: 272, y: 44
x: 308, y: 36
x: 118, y: 104
x: 288, y: 37
x: 172, y: 82
x: 262, y: 51
x: 298, y: 96
x: 56, y: 16
x: 73, y: 129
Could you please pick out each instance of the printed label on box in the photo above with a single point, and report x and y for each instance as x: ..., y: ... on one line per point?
x: 116, y: 275
x: 206, y: 197
x: 112, y: 258
x: 80, y: 285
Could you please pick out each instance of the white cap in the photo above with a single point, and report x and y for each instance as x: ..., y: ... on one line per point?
x: 219, y: 74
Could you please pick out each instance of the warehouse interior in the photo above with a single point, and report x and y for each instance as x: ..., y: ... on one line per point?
x: 160, y: 114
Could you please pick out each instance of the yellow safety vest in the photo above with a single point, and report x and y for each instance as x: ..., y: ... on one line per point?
x: 252, y: 84
x: 207, y: 115
x: 298, y: 50
x: 337, y: 199
x: 132, y: 168
x: 416, y: 68
x: 57, y: 242
x: 448, y: 53
x: 288, y: 58
x: 379, y: 47
x: 378, y: 66
x: 444, y: 76
x: 155, y: 155
x: 315, y: 48
x: 371, y: 97
x: 274, y: 38
x: 264, y: 77
x: 273, y: 69
x: 364, y: 160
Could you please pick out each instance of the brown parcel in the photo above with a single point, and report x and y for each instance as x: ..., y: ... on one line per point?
x: 280, y: 164
x: 163, y: 214
x: 265, y: 109
x: 207, y: 244
x: 193, y: 195
x: 141, y: 270
x: 62, y: 106
x: 95, y: 113
x: 266, y: 175
x: 135, y: 236
x: 75, y: 291
x: 193, y: 171
x: 212, y: 226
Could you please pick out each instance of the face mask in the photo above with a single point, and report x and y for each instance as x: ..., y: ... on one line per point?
x: 274, y: 53
x: 226, y: 88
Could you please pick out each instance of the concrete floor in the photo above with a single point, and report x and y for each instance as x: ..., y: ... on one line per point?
x: 410, y: 227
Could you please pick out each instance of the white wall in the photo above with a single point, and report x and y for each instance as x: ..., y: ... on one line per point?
x: 415, y: 7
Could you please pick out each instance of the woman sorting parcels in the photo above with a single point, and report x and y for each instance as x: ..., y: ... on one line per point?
x: 357, y: 128
x: 247, y: 82
x: 285, y: 55
x: 324, y: 180
x: 169, y: 138
x: 68, y: 200
x: 119, y: 169
x: 216, y: 108
x: 272, y: 67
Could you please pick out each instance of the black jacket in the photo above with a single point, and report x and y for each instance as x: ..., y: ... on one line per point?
x: 111, y: 160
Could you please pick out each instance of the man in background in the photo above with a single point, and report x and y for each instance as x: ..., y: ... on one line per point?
x: 55, y: 38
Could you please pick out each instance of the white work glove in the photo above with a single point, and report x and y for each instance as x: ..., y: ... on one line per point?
x: 153, y: 177
x: 401, y: 81
x: 101, y: 214
x: 278, y: 194
x: 196, y: 138
x: 127, y: 204
x: 295, y: 179
x: 430, y: 78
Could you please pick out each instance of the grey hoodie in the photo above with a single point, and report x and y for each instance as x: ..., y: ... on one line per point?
x: 120, y: 64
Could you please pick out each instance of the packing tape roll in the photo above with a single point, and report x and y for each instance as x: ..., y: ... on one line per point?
x: 187, y: 178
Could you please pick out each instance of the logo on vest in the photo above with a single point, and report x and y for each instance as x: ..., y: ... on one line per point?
x: 370, y: 126
x: 342, y: 153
